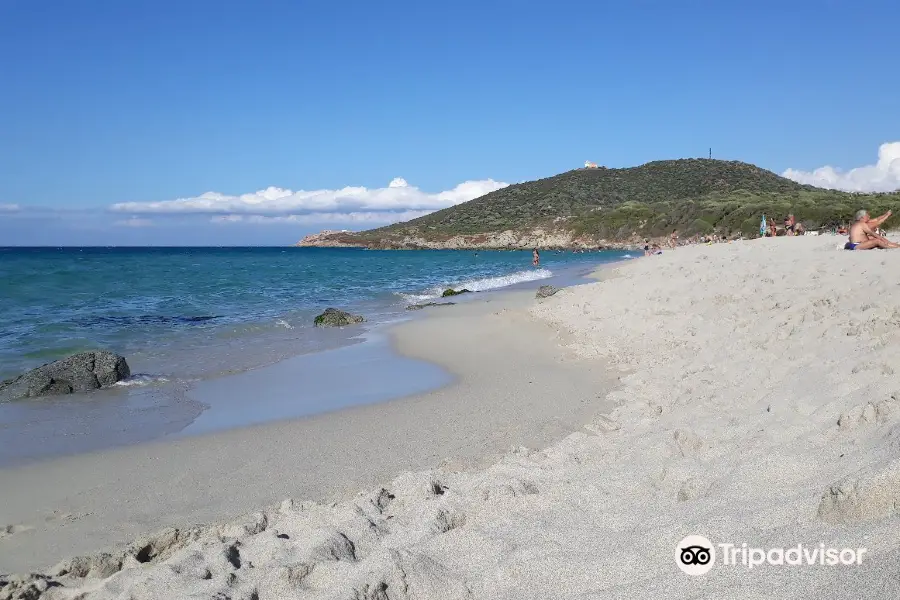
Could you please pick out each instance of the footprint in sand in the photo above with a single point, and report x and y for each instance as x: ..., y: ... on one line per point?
x: 865, y: 366
x: 10, y: 530
x: 66, y: 518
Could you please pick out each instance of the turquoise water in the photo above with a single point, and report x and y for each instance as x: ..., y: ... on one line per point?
x: 196, y: 323
x: 199, y: 312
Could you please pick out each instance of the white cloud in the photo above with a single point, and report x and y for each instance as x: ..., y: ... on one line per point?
x: 9, y: 208
x: 883, y: 176
x: 134, y: 222
x: 399, y: 196
x: 381, y: 217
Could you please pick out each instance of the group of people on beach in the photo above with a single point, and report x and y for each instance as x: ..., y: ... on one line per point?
x: 675, y: 241
x: 864, y: 234
x: 651, y: 249
x: 791, y: 227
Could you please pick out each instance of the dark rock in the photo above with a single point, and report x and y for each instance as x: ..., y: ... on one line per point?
x: 452, y: 292
x: 427, y: 304
x: 333, y: 317
x: 545, y: 291
x: 80, y: 372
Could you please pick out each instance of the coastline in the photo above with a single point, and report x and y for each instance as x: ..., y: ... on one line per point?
x: 209, y: 379
x: 747, y: 392
x: 180, y: 315
x: 83, y: 503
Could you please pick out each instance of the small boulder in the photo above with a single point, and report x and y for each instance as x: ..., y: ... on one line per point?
x: 452, y: 292
x: 427, y: 304
x: 80, y: 372
x: 333, y: 317
x: 545, y: 291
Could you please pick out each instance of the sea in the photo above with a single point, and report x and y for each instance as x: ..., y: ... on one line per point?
x: 186, y: 317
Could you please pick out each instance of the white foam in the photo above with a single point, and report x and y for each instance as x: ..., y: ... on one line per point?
x: 141, y: 380
x: 491, y: 283
x: 481, y: 285
x: 283, y: 323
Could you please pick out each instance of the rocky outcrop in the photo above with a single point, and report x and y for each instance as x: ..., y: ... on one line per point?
x: 545, y: 238
x: 452, y: 292
x: 333, y: 317
x: 545, y: 291
x: 80, y: 372
x: 427, y: 304
x: 502, y: 240
x: 329, y: 238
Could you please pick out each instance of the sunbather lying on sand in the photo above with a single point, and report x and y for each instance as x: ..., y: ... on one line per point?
x: 863, y: 236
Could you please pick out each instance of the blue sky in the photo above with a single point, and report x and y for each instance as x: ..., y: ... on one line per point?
x: 111, y: 110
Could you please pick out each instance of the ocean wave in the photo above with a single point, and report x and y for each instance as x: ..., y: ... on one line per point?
x: 480, y: 285
x: 141, y: 380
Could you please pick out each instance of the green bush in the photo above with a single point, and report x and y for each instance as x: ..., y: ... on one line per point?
x: 700, y: 227
x: 750, y: 227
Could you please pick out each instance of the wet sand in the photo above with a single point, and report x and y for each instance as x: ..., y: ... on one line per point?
x: 510, y: 387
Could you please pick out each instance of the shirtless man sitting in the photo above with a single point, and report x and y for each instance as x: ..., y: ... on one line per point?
x: 863, y: 236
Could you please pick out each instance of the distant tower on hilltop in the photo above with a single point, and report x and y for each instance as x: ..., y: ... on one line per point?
x: 589, y: 165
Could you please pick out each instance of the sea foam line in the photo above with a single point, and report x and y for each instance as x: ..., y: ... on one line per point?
x: 481, y: 285
x: 141, y: 380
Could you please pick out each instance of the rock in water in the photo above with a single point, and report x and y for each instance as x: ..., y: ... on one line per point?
x: 80, y: 372
x: 545, y: 291
x: 452, y: 292
x: 427, y: 304
x: 333, y: 317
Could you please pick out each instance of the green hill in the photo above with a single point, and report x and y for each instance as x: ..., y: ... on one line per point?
x: 696, y: 196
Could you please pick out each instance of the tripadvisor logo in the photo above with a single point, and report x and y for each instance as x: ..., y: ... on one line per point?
x: 696, y: 555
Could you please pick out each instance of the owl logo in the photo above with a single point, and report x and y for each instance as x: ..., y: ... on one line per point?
x: 695, y: 555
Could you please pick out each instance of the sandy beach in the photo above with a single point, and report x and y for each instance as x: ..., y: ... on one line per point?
x: 529, y: 395
x: 746, y: 392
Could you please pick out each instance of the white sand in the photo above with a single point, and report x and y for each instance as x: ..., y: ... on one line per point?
x: 759, y: 403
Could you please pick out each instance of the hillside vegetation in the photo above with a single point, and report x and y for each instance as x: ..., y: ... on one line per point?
x: 696, y: 196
